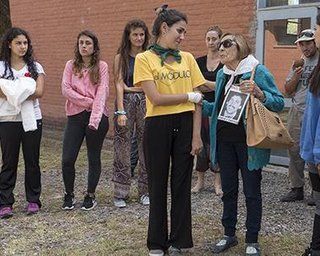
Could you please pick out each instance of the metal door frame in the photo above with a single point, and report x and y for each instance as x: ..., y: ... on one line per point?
x: 280, y: 13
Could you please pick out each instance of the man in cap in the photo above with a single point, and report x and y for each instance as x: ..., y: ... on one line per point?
x: 296, y: 87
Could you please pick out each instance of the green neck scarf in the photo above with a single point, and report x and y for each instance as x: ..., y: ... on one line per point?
x: 165, y: 52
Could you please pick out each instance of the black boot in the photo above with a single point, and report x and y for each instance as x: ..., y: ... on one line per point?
x: 315, y: 253
x: 310, y: 200
x: 315, y: 242
x: 307, y: 252
x: 295, y: 194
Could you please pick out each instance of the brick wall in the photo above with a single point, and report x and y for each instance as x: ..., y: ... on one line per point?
x: 54, y: 25
x: 280, y: 68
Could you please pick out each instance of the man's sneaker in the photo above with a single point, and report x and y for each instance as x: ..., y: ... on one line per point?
x: 253, y: 249
x: 310, y: 252
x: 156, y: 253
x: 89, y: 203
x: 310, y: 200
x: 225, y: 243
x: 173, y: 251
x: 69, y: 202
x: 144, y: 200
x: 295, y: 194
x: 32, y: 208
x: 119, y: 202
x: 6, y: 212
x: 307, y: 252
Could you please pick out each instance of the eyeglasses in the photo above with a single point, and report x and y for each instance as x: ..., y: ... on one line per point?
x: 306, y: 33
x: 227, y: 43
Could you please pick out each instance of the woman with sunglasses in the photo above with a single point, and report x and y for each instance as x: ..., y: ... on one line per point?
x: 172, y: 130
x: 310, y: 144
x: 228, y: 140
x: 209, y: 65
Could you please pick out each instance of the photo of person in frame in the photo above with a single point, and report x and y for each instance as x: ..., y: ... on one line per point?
x: 233, y: 106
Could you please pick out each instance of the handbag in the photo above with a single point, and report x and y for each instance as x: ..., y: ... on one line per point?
x: 264, y: 127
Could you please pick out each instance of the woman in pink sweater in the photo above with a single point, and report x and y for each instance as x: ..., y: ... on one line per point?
x: 85, y: 85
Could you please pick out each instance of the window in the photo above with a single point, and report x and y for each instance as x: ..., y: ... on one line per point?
x: 271, y: 3
x: 285, y: 31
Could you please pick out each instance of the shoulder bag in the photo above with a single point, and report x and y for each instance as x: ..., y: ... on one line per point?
x: 264, y: 127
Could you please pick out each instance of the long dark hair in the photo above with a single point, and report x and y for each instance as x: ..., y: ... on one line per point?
x: 125, y: 46
x: 94, y: 71
x: 5, y: 54
x: 315, y: 74
x: 169, y: 16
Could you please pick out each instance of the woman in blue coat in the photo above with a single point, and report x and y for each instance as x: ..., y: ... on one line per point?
x: 228, y: 140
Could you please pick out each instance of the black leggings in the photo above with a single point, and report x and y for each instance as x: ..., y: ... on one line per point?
x: 76, y: 130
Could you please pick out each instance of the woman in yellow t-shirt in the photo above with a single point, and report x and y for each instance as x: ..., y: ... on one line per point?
x: 172, y: 129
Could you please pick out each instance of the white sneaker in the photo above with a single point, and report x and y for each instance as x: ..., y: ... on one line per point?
x: 156, y: 253
x: 144, y: 200
x: 253, y: 249
x: 119, y: 202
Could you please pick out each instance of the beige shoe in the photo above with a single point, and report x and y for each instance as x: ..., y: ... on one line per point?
x: 197, y: 188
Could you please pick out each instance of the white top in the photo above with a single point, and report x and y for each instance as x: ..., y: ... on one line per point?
x: 21, y: 73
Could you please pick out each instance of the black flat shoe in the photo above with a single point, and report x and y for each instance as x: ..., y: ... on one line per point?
x: 224, y: 243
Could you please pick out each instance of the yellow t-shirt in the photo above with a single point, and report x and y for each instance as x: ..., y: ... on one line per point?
x: 174, y: 78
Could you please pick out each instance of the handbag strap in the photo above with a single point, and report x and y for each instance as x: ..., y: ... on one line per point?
x: 253, y: 72
x: 252, y: 98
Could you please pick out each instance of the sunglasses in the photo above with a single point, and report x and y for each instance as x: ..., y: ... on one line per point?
x: 227, y: 43
x: 307, y: 34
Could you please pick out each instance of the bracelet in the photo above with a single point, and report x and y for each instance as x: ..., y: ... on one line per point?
x: 119, y: 113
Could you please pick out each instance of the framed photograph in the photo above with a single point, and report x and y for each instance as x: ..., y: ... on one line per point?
x: 233, y: 105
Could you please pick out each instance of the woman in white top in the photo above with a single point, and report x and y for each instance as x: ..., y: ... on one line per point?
x: 16, y: 61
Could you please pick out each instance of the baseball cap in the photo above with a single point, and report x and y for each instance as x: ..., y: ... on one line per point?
x: 305, y: 35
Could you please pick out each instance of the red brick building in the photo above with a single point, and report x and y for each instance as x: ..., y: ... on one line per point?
x: 54, y: 25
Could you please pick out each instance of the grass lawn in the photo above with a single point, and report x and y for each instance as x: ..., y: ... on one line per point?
x: 110, y: 231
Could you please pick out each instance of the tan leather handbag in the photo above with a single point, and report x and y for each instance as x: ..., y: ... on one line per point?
x: 264, y: 127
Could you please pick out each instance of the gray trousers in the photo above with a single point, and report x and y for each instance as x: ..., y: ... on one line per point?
x: 296, y: 163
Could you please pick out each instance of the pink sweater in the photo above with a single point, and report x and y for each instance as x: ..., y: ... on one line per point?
x: 82, y: 95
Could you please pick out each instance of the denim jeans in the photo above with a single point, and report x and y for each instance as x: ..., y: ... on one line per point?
x: 231, y: 158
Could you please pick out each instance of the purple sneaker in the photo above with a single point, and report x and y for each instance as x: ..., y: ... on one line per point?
x: 32, y: 208
x: 5, y: 212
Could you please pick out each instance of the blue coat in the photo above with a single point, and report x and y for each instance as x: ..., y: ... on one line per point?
x: 310, y: 133
x: 274, y: 101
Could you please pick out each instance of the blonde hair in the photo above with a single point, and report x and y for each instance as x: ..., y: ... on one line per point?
x: 242, y: 44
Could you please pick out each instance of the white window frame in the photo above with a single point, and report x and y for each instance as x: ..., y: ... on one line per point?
x: 281, y: 13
